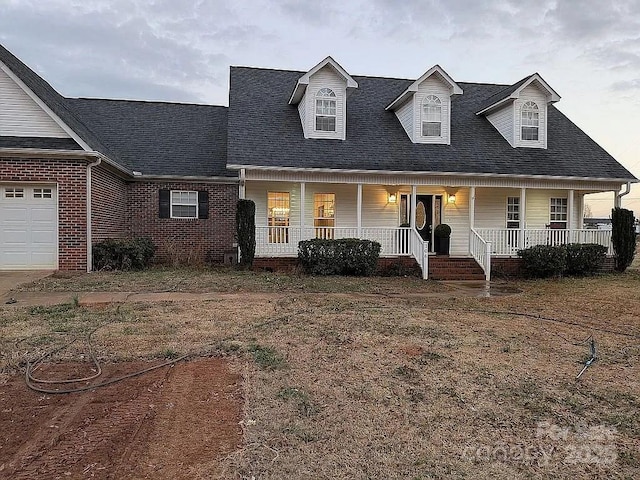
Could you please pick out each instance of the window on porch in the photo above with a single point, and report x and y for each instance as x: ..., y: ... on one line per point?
x: 558, y: 213
x: 324, y: 211
x: 278, y: 216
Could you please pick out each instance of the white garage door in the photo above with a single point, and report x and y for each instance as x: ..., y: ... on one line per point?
x: 28, y: 227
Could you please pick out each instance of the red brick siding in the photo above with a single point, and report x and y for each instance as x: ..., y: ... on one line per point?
x: 70, y: 175
x: 108, y: 205
x: 185, y: 240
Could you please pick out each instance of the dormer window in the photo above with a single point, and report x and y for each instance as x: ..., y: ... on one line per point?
x: 530, y: 121
x: 431, y: 116
x: 326, y: 110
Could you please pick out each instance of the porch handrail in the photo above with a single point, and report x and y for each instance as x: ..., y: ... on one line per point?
x: 507, y: 241
x: 420, y: 251
x: 481, y: 251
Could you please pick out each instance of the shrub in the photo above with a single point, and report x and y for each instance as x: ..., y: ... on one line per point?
x: 442, y: 231
x: 584, y: 259
x: 123, y: 254
x: 348, y: 256
x: 543, y: 261
x: 246, y: 231
x: 623, y: 237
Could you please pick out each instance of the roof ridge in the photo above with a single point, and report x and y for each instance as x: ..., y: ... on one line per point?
x: 127, y: 100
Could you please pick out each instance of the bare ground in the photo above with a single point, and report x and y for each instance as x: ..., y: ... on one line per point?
x: 383, y: 383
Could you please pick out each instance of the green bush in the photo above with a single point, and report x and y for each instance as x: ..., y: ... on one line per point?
x: 442, y: 231
x: 543, y: 261
x: 623, y: 237
x: 123, y: 253
x: 348, y: 256
x: 246, y: 230
x: 584, y: 259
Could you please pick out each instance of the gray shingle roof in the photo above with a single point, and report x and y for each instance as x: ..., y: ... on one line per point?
x: 503, y: 94
x: 265, y: 131
x: 158, y: 138
x: 46, y: 143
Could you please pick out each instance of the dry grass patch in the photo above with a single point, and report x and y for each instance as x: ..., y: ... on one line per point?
x: 392, y: 386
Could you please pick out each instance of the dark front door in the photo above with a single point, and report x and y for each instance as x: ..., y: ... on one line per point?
x: 424, y: 216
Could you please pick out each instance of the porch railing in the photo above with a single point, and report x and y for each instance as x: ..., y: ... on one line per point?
x: 419, y: 251
x: 507, y: 241
x: 481, y: 250
x: 283, y: 241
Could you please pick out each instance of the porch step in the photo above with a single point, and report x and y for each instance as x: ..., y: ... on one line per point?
x: 442, y: 267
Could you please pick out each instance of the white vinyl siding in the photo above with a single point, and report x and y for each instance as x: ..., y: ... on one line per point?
x: 302, y: 110
x: 456, y: 215
x: 405, y: 115
x: 533, y: 94
x: 502, y: 120
x: 21, y: 116
x: 432, y: 86
x: 257, y: 191
x: 325, y: 78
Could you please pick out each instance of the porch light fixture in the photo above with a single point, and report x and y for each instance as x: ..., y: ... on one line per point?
x: 393, y: 198
x: 451, y: 198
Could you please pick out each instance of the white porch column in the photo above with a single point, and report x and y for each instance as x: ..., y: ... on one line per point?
x: 581, y: 213
x: 242, y: 188
x: 412, y: 216
x: 472, y: 213
x: 359, y: 210
x: 523, y: 217
x: 570, y: 209
x: 303, y: 196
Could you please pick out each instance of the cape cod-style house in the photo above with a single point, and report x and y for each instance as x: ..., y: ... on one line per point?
x: 322, y: 154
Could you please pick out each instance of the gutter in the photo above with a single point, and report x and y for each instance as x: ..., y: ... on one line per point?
x: 620, y: 195
x: 89, y: 242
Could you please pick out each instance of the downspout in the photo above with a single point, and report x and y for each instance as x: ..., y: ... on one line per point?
x: 89, y: 243
x: 620, y: 195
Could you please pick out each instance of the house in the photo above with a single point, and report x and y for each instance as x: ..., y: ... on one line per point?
x: 322, y: 153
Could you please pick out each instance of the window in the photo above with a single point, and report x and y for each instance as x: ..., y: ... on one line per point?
x: 14, y: 193
x: 431, y: 116
x: 184, y: 204
x: 278, y: 216
x: 324, y: 214
x: 41, y: 193
x: 513, y: 212
x: 530, y: 121
x: 326, y: 110
x: 558, y: 213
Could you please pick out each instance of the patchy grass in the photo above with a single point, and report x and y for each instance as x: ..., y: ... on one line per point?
x: 398, y: 385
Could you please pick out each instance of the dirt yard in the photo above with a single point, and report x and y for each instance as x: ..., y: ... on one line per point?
x: 397, y: 379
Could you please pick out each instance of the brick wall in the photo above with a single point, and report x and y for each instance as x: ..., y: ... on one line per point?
x: 70, y: 175
x: 108, y: 205
x: 182, y: 241
x: 502, y: 267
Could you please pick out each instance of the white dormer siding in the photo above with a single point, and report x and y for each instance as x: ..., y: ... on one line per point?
x: 326, y: 77
x: 405, y: 115
x: 503, y: 121
x: 432, y: 86
x: 531, y: 93
x: 21, y: 116
x: 302, y: 111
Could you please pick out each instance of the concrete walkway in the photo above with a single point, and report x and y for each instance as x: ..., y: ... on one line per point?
x: 12, y: 279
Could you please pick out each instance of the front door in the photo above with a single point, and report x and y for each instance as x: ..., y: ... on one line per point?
x: 424, y: 216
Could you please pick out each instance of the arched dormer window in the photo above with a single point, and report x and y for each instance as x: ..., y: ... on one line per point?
x: 530, y: 121
x: 431, y: 116
x: 326, y: 110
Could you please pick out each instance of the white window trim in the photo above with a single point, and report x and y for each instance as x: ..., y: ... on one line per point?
x: 566, y: 220
x: 171, y: 204
x: 423, y: 120
x: 330, y: 96
x: 522, y: 125
x: 507, y: 221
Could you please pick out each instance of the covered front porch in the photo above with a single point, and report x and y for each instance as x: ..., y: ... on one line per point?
x: 486, y: 222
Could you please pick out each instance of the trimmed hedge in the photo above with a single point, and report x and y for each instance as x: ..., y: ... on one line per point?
x: 347, y: 256
x: 623, y: 237
x: 544, y: 261
x: 123, y: 253
x: 246, y: 230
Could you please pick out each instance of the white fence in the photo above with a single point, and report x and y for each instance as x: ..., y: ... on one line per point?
x: 507, y: 241
x: 481, y: 250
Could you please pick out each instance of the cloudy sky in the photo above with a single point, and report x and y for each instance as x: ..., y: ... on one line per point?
x: 181, y: 50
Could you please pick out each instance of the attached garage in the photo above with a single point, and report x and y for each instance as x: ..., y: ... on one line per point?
x: 28, y: 226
